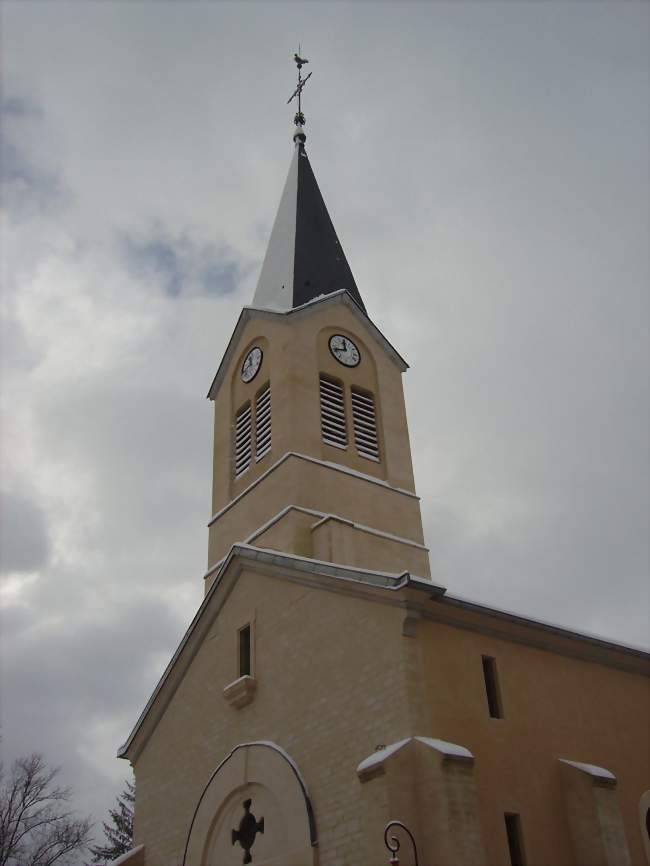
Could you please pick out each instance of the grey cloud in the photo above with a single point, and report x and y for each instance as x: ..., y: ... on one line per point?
x: 18, y: 106
x: 65, y: 681
x: 488, y: 181
x: 179, y: 264
x: 109, y: 653
x: 24, y: 541
x: 29, y: 184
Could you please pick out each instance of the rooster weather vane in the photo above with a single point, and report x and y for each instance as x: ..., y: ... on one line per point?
x: 299, y: 119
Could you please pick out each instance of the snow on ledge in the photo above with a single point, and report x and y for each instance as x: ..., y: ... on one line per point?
x: 449, y: 750
x: 124, y: 858
x: 591, y: 770
x: 380, y: 755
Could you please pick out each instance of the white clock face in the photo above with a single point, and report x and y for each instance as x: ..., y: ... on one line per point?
x: 344, y: 350
x: 251, y: 365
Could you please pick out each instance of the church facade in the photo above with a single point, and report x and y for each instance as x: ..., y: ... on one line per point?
x: 327, y: 684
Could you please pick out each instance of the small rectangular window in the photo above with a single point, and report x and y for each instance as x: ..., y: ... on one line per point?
x: 332, y: 413
x: 245, y: 651
x: 492, y: 687
x: 364, y: 419
x: 243, y: 440
x: 515, y: 839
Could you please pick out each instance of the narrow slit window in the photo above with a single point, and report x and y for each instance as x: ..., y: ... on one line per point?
x: 263, y: 423
x: 243, y: 440
x: 515, y: 839
x: 492, y: 687
x: 332, y: 413
x: 364, y: 419
x: 245, y: 651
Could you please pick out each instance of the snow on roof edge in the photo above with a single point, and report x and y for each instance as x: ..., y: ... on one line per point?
x: 449, y: 750
x: 591, y: 770
x: 463, y: 601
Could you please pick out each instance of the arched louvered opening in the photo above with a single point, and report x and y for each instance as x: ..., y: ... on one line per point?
x: 332, y: 413
x: 243, y: 439
x: 364, y: 420
x: 263, y: 422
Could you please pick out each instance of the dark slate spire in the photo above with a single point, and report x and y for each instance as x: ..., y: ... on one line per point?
x: 304, y: 259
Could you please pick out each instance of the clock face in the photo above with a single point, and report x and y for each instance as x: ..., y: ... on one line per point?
x: 344, y: 350
x: 252, y: 363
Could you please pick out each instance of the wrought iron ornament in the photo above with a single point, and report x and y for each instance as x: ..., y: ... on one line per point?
x: 299, y: 118
x: 393, y: 844
x: 249, y: 827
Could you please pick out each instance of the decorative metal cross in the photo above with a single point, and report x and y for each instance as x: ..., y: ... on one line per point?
x: 249, y: 827
x: 299, y: 119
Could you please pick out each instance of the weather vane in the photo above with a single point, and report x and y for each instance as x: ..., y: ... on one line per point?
x: 299, y: 119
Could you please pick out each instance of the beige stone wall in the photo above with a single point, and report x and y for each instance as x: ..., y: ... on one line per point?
x: 310, y: 485
x: 339, y: 672
x: 337, y: 676
x: 337, y: 540
x: 594, y: 818
x: 434, y: 791
x: 259, y: 780
x: 295, y: 353
x: 554, y: 707
x: 644, y: 823
x: 334, y: 539
x: 330, y: 688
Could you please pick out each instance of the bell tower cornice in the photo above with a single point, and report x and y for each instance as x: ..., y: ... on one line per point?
x: 251, y: 312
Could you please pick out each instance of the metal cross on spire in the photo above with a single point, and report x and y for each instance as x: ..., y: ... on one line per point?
x: 299, y: 119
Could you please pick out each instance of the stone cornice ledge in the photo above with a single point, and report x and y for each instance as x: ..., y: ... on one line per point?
x: 360, y: 527
x: 598, y: 774
x: 370, y: 766
x: 241, y: 691
x: 338, y: 467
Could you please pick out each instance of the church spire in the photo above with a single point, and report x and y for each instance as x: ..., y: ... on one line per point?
x: 304, y: 259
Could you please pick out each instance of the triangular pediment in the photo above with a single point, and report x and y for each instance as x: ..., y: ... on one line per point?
x: 274, y: 564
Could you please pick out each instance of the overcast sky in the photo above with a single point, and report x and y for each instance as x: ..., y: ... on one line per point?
x: 486, y: 168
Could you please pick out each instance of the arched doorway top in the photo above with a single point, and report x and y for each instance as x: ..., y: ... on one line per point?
x: 212, y: 792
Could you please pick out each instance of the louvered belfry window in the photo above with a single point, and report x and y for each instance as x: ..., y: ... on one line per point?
x: 332, y: 413
x: 263, y: 423
x: 243, y: 439
x: 364, y: 419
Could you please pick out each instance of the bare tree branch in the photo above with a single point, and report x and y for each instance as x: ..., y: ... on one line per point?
x: 35, y: 827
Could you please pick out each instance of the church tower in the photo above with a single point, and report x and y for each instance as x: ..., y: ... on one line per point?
x: 327, y: 685
x: 311, y: 446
